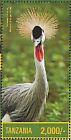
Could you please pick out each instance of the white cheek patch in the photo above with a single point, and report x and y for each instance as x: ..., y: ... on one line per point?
x: 31, y: 37
x: 43, y: 37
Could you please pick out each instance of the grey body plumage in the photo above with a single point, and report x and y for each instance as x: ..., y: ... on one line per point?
x: 24, y: 102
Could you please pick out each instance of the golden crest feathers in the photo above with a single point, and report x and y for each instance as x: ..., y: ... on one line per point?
x: 35, y: 17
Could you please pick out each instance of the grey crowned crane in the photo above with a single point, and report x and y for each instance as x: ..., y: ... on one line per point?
x: 25, y: 102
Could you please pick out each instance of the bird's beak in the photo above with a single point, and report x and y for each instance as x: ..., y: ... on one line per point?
x: 37, y: 42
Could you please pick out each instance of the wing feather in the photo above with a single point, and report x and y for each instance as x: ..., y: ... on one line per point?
x: 13, y: 95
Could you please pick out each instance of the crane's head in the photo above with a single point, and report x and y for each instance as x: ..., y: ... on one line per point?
x: 38, y: 35
x: 30, y: 19
x: 38, y: 38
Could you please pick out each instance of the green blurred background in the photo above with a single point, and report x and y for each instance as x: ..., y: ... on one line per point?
x: 18, y: 66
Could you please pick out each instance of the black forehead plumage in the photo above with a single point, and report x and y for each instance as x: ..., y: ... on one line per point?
x: 37, y: 32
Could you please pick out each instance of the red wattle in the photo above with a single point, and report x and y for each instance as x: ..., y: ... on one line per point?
x: 39, y: 53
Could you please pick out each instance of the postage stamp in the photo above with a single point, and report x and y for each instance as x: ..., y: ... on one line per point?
x: 35, y: 68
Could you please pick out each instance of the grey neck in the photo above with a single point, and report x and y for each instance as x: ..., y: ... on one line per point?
x: 40, y: 77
